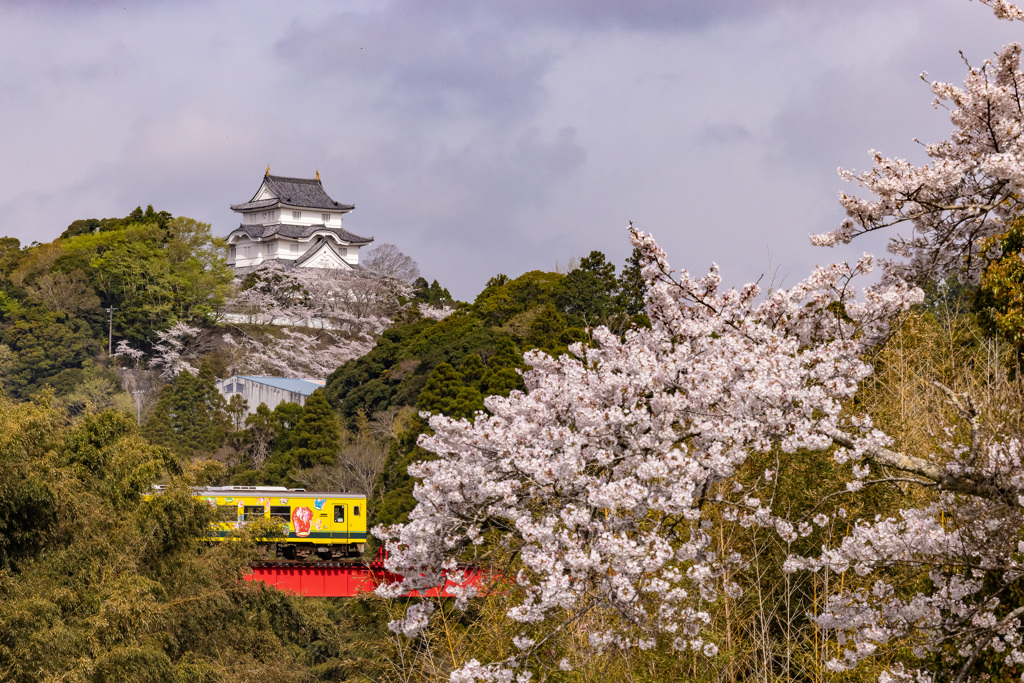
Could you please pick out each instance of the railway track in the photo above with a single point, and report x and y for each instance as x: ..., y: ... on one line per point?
x: 322, y: 564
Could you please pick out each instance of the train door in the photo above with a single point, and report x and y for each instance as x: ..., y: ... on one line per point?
x: 341, y: 514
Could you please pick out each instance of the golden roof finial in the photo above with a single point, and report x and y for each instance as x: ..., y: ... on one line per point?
x: 268, y: 169
x: 318, y: 174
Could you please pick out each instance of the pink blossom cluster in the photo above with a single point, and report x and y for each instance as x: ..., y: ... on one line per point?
x: 171, y: 352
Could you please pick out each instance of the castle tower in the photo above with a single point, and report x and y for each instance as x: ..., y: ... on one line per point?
x: 293, y: 221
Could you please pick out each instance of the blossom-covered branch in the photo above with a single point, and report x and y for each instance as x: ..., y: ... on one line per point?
x: 967, y: 193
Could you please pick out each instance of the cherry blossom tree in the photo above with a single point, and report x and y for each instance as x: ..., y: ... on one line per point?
x: 439, y: 313
x: 607, y: 480
x: 606, y: 471
x: 324, y: 318
x: 173, y: 350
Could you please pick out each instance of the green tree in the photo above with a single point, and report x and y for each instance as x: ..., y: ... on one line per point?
x: 190, y: 415
x: 45, y: 345
x: 431, y: 294
x: 545, y: 330
x: 631, y: 286
x: 587, y: 295
x: 473, y: 370
x: 237, y: 408
x: 315, y: 438
x: 448, y: 393
x: 155, y: 270
x: 504, y: 298
x: 503, y: 367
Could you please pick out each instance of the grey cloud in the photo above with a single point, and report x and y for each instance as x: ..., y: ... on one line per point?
x: 432, y: 70
x: 459, y: 202
x: 723, y: 134
x: 659, y: 16
x: 479, y: 136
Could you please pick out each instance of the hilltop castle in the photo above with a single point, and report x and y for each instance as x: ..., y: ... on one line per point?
x: 292, y: 221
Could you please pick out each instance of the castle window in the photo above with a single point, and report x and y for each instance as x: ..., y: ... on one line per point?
x: 296, y: 215
x: 326, y: 217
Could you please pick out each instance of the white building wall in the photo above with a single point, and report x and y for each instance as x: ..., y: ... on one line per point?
x: 256, y: 393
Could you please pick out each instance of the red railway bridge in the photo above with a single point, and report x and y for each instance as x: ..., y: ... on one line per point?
x: 345, y: 579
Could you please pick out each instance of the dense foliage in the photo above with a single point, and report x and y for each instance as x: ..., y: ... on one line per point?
x: 153, y: 270
x: 98, y: 584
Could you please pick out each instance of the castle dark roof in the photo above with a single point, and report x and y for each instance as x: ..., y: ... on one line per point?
x: 299, y: 232
x: 306, y: 193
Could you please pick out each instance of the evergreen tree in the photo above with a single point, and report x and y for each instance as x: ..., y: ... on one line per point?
x: 473, y: 370
x: 503, y: 376
x: 587, y: 294
x: 448, y: 393
x: 631, y: 286
x: 545, y: 331
x: 596, y: 262
x: 431, y: 294
x: 316, y: 440
x: 190, y: 415
x: 237, y: 408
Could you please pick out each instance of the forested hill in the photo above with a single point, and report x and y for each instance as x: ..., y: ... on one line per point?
x: 152, y: 269
x: 156, y: 290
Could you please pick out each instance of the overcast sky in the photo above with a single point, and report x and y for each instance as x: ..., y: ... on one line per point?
x: 482, y: 137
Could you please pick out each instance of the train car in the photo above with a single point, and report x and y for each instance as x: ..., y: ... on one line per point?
x: 329, y: 524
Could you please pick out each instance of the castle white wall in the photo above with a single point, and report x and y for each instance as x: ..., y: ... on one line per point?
x: 248, y: 252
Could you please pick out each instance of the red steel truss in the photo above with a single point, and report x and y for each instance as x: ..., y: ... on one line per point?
x: 338, y: 579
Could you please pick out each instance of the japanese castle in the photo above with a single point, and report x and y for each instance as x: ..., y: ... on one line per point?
x: 293, y: 222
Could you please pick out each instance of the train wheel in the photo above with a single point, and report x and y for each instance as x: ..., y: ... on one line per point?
x: 288, y: 552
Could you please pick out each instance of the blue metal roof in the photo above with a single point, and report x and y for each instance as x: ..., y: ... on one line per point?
x: 294, y: 384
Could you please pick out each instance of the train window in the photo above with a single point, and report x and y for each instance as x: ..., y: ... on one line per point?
x: 227, y: 513
x: 281, y: 511
x: 355, y: 510
x: 339, y: 514
x: 253, y: 512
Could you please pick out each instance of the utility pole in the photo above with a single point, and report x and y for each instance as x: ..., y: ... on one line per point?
x: 110, y: 334
x: 138, y: 405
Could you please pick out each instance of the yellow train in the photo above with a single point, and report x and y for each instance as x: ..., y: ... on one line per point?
x: 330, y: 524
